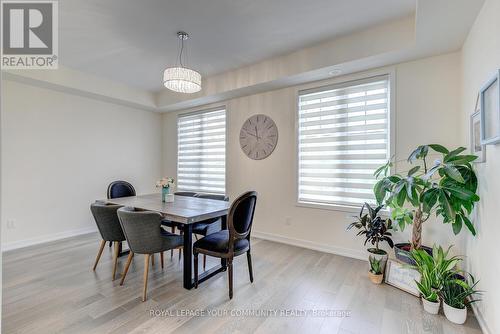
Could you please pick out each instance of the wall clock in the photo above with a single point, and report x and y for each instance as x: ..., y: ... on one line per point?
x: 258, y: 137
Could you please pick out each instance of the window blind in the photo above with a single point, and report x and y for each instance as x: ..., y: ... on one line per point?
x: 343, y: 138
x: 201, y: 152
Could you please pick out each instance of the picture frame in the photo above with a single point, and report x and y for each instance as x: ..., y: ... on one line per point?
x: 476, y: 147
x: 489, y: 97
x: 401, y: 276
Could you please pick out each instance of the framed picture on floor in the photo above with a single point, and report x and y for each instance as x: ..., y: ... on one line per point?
x: 476, y: 147
x: 402, y: 277
x: 489, y: 98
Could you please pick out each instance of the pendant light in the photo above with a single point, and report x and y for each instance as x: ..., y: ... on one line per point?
x: 180, y: 78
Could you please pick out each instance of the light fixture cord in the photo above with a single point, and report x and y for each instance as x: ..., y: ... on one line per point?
x: 180, y: 53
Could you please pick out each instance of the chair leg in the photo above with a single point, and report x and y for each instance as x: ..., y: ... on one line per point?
x: 110, y: 243
x: 161, y: 258
x: 101, y: 248
x: 204, y: 262
x: 230, y: 274
x: 195, y: 256
x: 250, y: 270
x: 180, y: 249
x: 127, y: 265
x: 115, y: 258
x: 172, y: 250
x: 146, y: 270
x: 152, y: 260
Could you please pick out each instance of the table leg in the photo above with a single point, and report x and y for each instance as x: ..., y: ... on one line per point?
x: 188, y: 256
x: 223, y: 220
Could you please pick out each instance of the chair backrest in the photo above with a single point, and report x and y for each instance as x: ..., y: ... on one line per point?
x: 142, y: 230
x: 240, y: 217
x: 120, y: 188
x: 107, y: 221
x: 212, y: 196
x: 185, y: 193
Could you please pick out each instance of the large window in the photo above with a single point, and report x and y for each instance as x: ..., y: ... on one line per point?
x: 343, y: 137
x: 201, y: 157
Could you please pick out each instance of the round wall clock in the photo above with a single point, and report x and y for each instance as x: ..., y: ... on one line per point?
x: 258, y: 137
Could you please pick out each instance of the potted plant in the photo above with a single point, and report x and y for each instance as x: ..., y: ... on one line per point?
x: 457, y: 294
x: 375, y: 273
x: 447, y: 187
x: 375, y: 229
x: 433, y: 272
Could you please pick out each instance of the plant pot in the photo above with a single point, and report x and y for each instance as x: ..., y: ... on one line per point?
x: 431, y: 307
x: 164, y: 193
x: 455, y: 315
x: 376, y: 279
x: 402, y: 252
x: 381, y: 256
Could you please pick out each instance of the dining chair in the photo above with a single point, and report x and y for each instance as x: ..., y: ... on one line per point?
x: 110, y: 229
x: 144, y: 235
x: 234, y: 241
x: 117, y: 189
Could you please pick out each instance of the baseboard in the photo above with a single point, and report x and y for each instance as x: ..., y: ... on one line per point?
x: 480, y: 320
x: 355, y: 254
x: 46, y: 238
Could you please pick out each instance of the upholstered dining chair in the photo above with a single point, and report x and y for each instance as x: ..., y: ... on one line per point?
x: 117, y: 189
x: 144, y: 235
x: 110, y: 229
x: 234, y: 241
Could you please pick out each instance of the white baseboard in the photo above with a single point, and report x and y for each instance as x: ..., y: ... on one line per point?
x: 480, y: 320
x: 46, y: 238
x: 355, y: 254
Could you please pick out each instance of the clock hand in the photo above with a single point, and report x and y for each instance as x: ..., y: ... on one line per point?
x: 251, y: 134
x: 257, y: 133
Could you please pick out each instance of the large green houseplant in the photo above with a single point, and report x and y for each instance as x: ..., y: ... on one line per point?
x: 446, y: 187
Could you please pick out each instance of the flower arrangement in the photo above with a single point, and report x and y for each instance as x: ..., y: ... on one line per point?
x: 165, y: 182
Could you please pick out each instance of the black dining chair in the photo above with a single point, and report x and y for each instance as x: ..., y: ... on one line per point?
x: 234, y: 241
x: 144, y: 235
x: 117, y: 189
x: 110, y: 229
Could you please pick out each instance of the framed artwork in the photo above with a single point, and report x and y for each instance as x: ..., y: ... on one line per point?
x: 476, y: 147
x: 402, y: 277
x: 489, y: 98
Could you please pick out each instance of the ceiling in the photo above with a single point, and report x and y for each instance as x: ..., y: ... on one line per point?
x: 132, y: 41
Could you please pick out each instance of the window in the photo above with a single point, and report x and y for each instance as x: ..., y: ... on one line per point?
x: 343, y: 137
x: 201, y: 151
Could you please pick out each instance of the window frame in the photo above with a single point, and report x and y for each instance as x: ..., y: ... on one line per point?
x: 338, y: 83
x: 196, y: 112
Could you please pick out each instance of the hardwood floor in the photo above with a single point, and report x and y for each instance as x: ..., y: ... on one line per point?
x: 51, y: 288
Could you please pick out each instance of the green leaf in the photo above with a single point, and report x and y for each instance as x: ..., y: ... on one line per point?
x: 401, y: 196
x: 453, y: 173
x: 454, y: 153
x: 413, y: 170
x: 469, y: 225
x: 429, y: 199
x: 439, y: 148
x: 462, y: 193
x: 457, y: 225
x: 379, y: 191
x: 462, y: 159
x: 444, y: 202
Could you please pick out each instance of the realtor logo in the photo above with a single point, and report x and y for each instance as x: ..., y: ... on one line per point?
x: 29, y: 35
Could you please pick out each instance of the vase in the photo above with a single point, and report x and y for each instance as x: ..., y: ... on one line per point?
x: 164, y: 192
x: 455, y: 315
x: 431, y: 307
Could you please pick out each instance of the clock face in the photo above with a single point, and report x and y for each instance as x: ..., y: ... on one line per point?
x: 258, y: 137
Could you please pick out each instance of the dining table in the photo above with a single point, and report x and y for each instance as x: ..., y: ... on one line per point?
x: 186, y: 211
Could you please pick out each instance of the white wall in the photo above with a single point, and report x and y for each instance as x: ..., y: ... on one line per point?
x: 427, y: 105
x: 480, y: 60
x: 59, y: 153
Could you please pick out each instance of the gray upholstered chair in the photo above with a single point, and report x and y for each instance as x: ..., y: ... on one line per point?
x: 145, y: 236
x: 117, y: 189
x: 109, y: 228
x: 234, y: 241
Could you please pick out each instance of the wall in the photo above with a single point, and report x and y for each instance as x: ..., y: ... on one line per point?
x: 480, y: 60
x: 59, y: 153
x: 427, y: 105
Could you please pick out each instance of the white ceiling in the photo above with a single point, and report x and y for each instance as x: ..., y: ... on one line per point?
x: 132, y: 41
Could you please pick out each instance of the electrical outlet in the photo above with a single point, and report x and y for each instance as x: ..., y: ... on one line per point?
x: 11, y: 224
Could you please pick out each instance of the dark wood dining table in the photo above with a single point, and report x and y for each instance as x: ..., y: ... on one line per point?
x: 187, y: 211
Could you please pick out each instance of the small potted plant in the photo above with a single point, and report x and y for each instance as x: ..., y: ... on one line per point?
x: 375, y: 229
x: 375, y: 274
x: 165, y: 183
x: 434, y: 270
x: 457, y: 294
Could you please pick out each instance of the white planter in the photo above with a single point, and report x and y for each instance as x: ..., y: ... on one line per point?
x: 431, y: 307
x: 382, y: 257
x: 455, y: 315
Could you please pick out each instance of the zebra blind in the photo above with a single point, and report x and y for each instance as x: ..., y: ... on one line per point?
x: 201, y: 152
x: 343, y: 138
